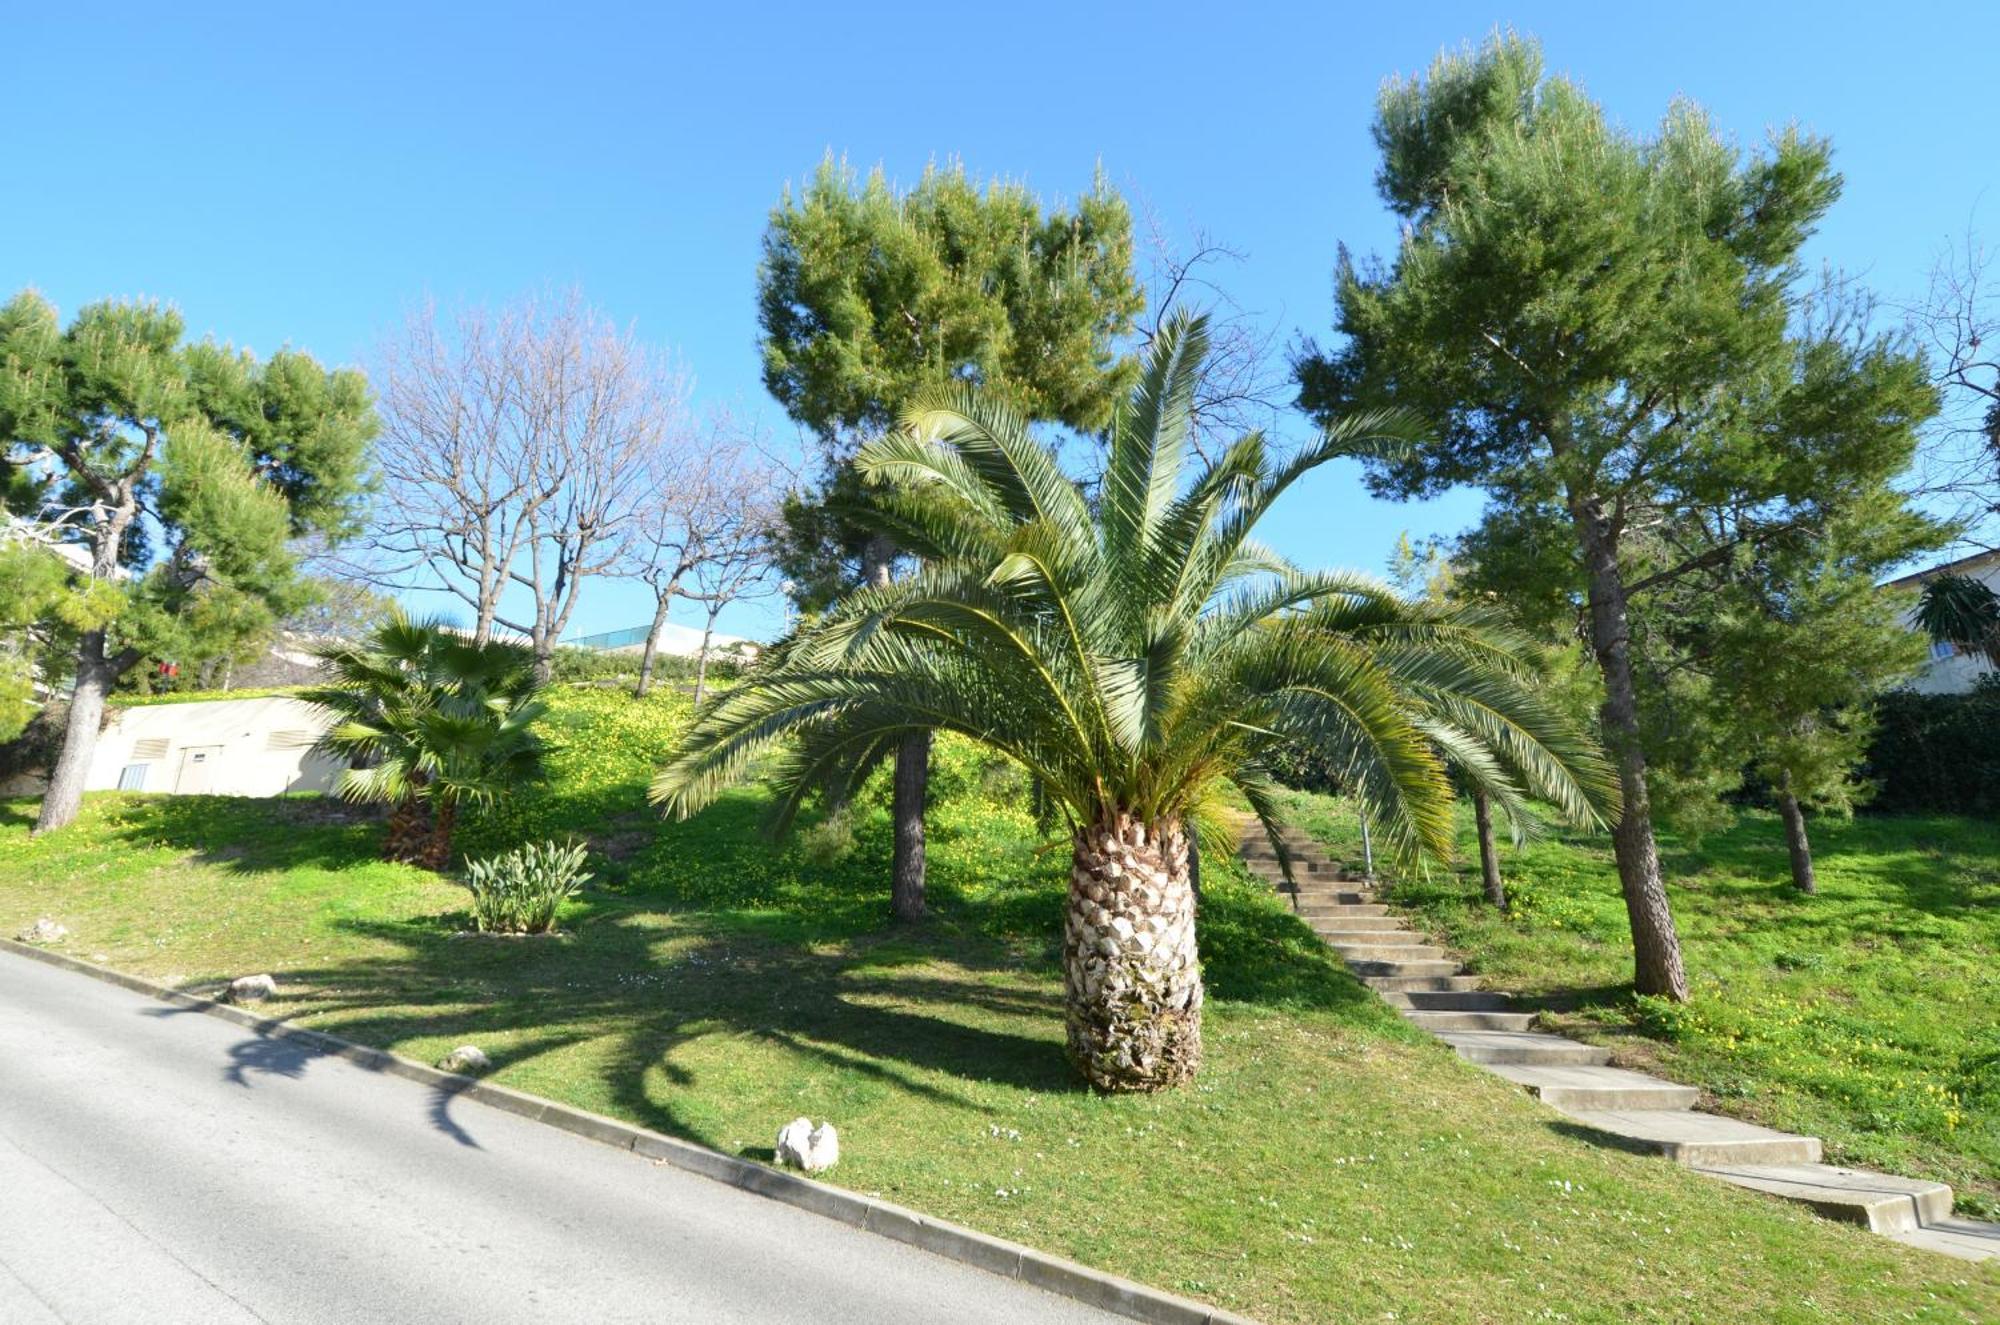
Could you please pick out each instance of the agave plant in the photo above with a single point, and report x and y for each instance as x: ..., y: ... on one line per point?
x: 429, y: 721
x: 1133, y: 654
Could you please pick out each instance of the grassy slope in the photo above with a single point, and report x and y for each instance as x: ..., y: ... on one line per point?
x: 1329, y: 1163
x: 1868, y: 1015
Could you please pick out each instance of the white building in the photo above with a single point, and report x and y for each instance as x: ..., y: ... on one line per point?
x: 675, y: 639
x: 225, y: 747
x: 1951, y: 669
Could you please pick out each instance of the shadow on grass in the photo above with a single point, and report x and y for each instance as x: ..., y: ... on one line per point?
x: 246, y: 834
x: 927, y: 1012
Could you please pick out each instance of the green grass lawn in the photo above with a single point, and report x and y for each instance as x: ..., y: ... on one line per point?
x: 1329, y: 1164
x: 1867, y: 1015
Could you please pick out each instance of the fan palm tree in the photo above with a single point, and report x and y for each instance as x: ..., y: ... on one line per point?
x: 1959, y: 610
x: 429, y: 721
x: 1133, y: 654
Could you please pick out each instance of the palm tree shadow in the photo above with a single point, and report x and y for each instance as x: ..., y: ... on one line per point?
x: 655, y: 991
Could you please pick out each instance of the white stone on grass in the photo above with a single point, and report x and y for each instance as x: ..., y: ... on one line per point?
x: 252, y: 988
x: 44, y: 930
x: 467, y: 1058
x: 803, y: 1146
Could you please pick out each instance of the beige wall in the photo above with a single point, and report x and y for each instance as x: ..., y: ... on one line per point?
x: 1955, y: 673
x: 227, y: 747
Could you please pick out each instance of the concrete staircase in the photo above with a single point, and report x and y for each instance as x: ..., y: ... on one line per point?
x: 1624, y: 1108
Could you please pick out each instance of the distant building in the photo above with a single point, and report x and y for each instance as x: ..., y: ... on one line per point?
x: 1953, y: 670
x: 259, y: 746
x: 677, y: 640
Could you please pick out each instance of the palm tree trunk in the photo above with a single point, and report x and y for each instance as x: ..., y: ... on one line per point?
x: 437, y: 846
x: 912, y: 778
x: 409, y: 832
x: 1796, y: 841
x: 1131, y: 971
x: 1489, y: 855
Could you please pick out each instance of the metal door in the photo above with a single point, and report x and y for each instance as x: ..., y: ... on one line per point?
x: 199, y: 769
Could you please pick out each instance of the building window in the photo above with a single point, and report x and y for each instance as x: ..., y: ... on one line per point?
x: 1942, y: 649
x: 132, y: 777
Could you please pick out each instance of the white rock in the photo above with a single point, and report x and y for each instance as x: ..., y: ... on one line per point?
x: 467, y: 1058
x: 804, y: 1146
x: 252, y: 988
x: 44, y: 930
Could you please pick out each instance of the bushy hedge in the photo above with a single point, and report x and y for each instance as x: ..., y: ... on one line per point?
x: 1937, y: 754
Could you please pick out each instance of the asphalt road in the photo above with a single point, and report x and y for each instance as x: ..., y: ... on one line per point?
x: 161, y: 1166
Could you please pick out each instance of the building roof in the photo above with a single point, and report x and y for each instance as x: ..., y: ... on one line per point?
x: 1964, y: 565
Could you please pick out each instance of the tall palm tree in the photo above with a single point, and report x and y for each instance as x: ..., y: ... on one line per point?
x: 1961, y: 611
x: 429, y: 721
x: 1131, y: 655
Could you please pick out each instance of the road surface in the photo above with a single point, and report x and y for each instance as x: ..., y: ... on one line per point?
x: 160, y: 1166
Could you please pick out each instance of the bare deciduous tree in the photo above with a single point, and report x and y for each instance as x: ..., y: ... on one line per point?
x: 1958, y: 323
x: 695, y: 489
x: 736, y: 561
x: 1246, y: 385
x: 514, y: 456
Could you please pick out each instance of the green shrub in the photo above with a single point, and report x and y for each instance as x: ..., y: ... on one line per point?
x: 1937, y: 754
x: 519, y: 892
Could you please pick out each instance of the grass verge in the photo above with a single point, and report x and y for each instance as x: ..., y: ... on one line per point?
x: 1867, y: 1015
x: 1329, y: 1164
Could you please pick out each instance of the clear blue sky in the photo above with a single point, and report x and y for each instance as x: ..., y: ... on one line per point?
x: 303, y: 173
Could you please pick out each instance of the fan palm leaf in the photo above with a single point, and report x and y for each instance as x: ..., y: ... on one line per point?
x: 428, y: 721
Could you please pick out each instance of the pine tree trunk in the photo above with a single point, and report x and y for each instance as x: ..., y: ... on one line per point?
x: 94, y: 677
x: 1131, y: 970
x: 1796, y: 841
x: 913, y: 771
x: 652, y: 652
x: 912, y: 779
x: 1489, y: 854
x: 1656, y: 945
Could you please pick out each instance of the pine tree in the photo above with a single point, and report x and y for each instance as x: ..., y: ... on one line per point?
x: 1606, y: 332
x: 868, y: 296
x: 183, y: 472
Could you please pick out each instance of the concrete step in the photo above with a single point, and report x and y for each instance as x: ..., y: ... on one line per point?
x: 1448, y: 1000
x: 1310, y: 905
x: 1342, y: 931
x: 1424, y: 984
x: 1598, y: 1087
x: 1700, y: 1139
x: 1469, y: 1021
x: 1967, y: 1239
x: 1340, y: 897
x: 1340, y: 919
x: 1371, y: 966
x: 1498, y: 1049
x: 1881, y: 1201
x: 1266, y: 864
x: 1387, y: 951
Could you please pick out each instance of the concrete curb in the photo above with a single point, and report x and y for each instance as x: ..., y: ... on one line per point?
x: 1108, y: 1292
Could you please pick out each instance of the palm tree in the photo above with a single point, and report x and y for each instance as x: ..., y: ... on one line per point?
x: 1959, y: 610
x: 1132, y: 655
x: 429, y: 721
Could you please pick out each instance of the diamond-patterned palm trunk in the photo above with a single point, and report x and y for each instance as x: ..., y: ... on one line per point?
x: 1131, y: 972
